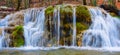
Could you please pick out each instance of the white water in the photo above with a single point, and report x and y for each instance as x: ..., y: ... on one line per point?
x: 58, y: 25
x: 3, y: 24
x: 2, y: 38
x: 34, y: 27
x: 104, y: 31
x: 74, y: 28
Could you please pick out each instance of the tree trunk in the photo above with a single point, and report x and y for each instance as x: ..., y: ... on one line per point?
x: 26, y: 3
x: 84, y: 2
x: 18, y: 5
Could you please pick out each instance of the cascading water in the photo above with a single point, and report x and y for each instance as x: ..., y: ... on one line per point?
x: 104, y: 31
x: 1, y: 38
x: 3, y: 25
x: 34, y: 27
x: 74, y: 27
x: 57, y: 24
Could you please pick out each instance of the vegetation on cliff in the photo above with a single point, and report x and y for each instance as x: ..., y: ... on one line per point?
x: 49, y: 10
x: 17, y: 37
x: 66, y: 10
x: 82, y: 14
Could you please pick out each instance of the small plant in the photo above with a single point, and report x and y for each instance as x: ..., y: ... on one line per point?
x: 17, y: 36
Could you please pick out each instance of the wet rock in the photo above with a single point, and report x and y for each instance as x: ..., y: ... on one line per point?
x: 0, y: 31
x: 110, y: 8
x: 9, y: 29
x: 79, y: 38
x: 18, y: 17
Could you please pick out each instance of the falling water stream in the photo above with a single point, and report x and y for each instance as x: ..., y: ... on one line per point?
x: 58, y: 26
x: 3, y: 25
x: 74, y: 27
x: 104, y: 31
x: 34, y: 27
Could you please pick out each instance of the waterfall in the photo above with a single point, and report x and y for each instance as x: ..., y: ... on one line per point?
x: 34, y: 27
x: 3, y: 25
x: 2, y: 38
x: 104, y: 30
x: 74, y: 28
x: 58, y: 26
x: 57, y: 30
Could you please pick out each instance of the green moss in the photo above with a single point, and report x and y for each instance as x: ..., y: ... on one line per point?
x: 66, y: 14
x: 112, y: 14
x: 82, y: 14
x: 17, y: 36
x: 66, y: 10
x: 49, y: 10
x: 81, y: 27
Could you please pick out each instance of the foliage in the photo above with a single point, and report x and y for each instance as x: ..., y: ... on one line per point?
x: 17, y: 38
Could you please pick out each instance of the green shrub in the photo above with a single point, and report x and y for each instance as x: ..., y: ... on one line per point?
x: 17, y: 36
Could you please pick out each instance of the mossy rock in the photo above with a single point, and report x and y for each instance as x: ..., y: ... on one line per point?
x: 81, y: 27
x: 82, y: 14
x: 17, y: 37
x: 114, y: 15
x: 66, y: 11
x: 66, y: 41
x: 49, y: 10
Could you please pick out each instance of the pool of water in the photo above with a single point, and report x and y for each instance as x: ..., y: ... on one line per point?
x: 60, y: 51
